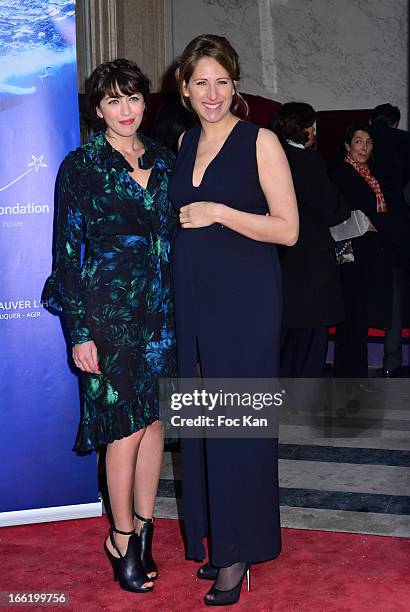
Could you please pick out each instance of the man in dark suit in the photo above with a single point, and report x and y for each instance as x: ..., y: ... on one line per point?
x: 391, y: 163
x: 311, y: 288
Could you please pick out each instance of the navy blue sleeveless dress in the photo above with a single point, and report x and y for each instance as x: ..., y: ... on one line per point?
x: 227, y: 305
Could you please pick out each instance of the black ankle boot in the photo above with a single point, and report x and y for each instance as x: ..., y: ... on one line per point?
x: 128, y: 568
x: 146, y: 535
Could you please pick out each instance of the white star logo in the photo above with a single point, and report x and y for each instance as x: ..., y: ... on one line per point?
x: 37, y: 162
x: 33, y: 165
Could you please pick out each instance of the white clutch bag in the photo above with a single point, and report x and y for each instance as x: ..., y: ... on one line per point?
x: 355, y: 226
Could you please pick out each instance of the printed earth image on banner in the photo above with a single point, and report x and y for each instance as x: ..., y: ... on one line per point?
x: 38, y: 392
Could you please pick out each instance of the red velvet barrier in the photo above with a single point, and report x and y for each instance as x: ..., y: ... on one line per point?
x: 376, y: 333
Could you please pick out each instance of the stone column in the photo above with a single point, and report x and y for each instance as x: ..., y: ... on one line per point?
x: 134, y: 29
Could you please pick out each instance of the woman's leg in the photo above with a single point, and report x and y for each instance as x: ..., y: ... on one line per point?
x: 148, y: 470
x: 147, y: 473
x: 120, y: 462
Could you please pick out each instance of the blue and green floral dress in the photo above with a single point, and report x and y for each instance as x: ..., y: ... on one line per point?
x: 119, y: 293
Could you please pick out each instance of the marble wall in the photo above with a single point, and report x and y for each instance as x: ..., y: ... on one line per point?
x: 335, y: 54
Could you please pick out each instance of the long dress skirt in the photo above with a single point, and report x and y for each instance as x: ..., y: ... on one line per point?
x: 227, y: 303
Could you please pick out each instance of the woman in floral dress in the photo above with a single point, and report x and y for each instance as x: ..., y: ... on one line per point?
x: 116, y: 300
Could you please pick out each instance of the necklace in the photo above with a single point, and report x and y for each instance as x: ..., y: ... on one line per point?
x: 135, y: 153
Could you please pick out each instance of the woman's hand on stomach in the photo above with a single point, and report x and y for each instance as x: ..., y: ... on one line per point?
x: 200, y: 214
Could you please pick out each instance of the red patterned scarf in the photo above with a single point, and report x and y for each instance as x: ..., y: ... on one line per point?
x: 369, y: 178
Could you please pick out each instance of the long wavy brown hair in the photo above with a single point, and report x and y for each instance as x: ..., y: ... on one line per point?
x: 220, y: 49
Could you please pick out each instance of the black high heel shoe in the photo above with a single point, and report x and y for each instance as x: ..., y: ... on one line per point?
x: 128, y: 568
x: 207, y: 572
x: 146, y: 535
x: 217, y: 597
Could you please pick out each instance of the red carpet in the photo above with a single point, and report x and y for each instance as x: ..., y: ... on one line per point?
x: 316, y: 572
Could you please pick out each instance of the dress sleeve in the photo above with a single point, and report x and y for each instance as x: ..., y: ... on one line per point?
x: 170, y: 219
x: 62, y: 291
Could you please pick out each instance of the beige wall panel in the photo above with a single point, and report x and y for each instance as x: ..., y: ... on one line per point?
x: 141, y: 36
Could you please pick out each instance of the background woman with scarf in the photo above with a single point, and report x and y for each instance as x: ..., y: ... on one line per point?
x: 366, y: 281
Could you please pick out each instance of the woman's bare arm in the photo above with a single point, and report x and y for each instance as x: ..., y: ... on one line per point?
x: 281, y: 226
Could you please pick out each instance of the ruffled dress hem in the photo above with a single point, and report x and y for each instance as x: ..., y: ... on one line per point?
x: 115, y: 424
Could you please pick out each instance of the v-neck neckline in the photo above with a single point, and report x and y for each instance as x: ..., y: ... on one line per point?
x: 213, y: 159
x: 133, y: 180
x: 145, y: 157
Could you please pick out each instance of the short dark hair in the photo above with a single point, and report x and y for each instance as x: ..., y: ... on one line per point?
x: 355, y: 127
x: 291, y: 120
x: 108, y: 78
x: 345, y: 138
x: 385, y: 113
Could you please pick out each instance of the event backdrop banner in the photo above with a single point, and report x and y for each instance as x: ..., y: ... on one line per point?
x: 41, y: 478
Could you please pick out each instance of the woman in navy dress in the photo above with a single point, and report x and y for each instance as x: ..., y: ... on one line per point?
x: 233, y: 189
